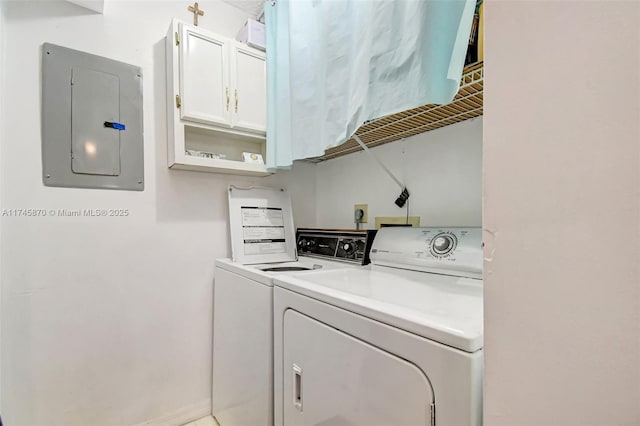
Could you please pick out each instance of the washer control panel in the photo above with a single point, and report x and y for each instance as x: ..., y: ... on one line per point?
x: 346, y: 245
x: 451, y: 251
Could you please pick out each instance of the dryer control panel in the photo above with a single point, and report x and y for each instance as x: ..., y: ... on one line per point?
x: 450, y: 251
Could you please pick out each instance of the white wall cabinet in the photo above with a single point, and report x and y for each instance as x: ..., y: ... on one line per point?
x: 216, y: 102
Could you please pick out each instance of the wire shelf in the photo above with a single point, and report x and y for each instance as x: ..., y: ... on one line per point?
x: 467, y: 104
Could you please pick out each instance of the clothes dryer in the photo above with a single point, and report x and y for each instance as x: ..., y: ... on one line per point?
x: 399, y: 344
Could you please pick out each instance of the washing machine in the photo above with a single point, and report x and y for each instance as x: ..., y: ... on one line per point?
x: 397, y: 344
x: 264, y: 245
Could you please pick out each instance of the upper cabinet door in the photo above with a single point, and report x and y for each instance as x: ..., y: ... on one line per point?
x: 205, y: 94
x: 249, y: 82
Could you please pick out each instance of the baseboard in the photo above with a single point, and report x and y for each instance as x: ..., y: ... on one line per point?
x: 182, y: 415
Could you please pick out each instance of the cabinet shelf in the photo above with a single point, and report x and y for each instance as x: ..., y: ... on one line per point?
x: 200, y: 164
x: 467, y: 104
x: 202, y: 138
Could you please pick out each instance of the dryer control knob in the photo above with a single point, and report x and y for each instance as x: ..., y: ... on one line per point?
x: 442, y: 244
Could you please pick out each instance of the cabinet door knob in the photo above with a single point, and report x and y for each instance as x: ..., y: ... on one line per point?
x: 236, y: 93
x: 227, y: 90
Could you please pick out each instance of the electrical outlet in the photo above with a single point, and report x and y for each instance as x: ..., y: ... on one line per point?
x: 364, y: 208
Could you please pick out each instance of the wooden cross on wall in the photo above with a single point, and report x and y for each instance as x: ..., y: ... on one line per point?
x: 194, y: 9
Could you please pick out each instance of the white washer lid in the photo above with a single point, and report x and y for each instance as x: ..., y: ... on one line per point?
x: 261, y: 225
x: 258, y: 273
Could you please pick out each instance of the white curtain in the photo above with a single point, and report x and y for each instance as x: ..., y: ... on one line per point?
x: 333, y: 64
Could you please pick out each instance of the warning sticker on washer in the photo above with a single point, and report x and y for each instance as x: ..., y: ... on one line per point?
x: 263, y: 230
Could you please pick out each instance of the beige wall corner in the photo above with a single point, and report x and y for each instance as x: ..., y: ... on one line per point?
x: 561, y: 213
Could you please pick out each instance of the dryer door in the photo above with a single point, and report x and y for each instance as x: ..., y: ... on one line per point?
x: 331, y: 378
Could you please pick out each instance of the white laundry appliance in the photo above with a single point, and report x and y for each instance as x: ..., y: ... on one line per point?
x: 397, y: 344
x: 264, y: 245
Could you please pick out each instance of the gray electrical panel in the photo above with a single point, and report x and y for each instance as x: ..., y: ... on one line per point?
x: 91, y: 121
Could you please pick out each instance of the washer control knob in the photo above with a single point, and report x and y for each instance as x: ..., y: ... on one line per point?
x: 349, y: 247
x: 311, y: 244
x: 442, y: 244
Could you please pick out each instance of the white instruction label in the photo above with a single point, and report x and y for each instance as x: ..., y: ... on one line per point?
x: 263, y: 230
x: 276, y: 233
x: 264, y: 248
x: 262, y: 216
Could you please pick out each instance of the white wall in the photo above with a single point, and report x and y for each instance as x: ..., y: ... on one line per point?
x: 562, y: 213
x: 108, y: 321
x: 442, y: 170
